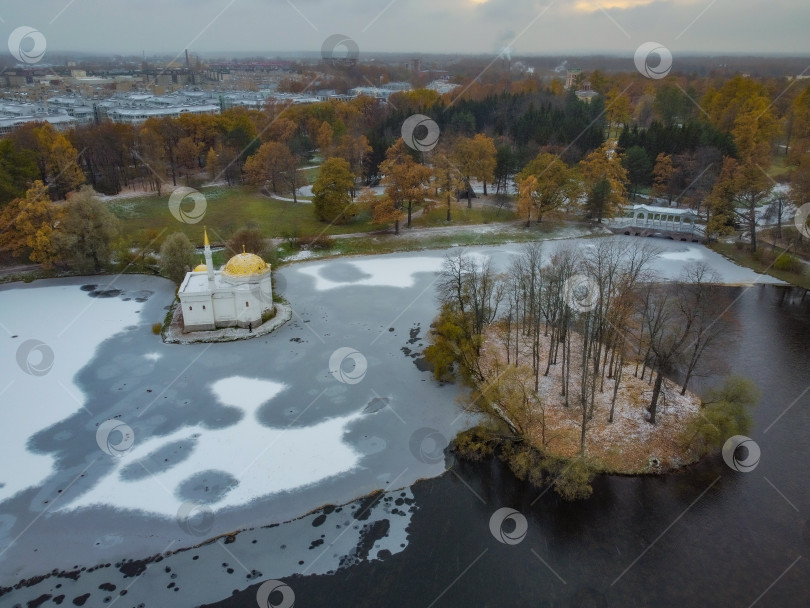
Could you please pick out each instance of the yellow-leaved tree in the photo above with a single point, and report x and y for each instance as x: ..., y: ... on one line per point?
x: 475, y: 157
x: 604, y: 180
x: 554, y: 185
x: 28, y: 223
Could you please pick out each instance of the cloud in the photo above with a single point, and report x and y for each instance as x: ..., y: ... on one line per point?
x: 428, y: 26
x: 589, y: 6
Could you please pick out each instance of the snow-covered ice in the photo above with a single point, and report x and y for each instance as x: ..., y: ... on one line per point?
x: 382, y: 271
x: 71, y: 326
x: 260, y: 460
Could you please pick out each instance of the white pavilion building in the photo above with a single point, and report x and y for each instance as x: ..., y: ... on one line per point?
x: 661, y: 218
x: 238, y: 295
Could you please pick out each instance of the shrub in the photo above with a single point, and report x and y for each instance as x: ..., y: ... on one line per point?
x: 268, y: 314
x: 725, y: 412
x: 319, y: 242
x: 788, y: 262
x: 574, y: 481
x: 763, y: 256
x: 526, y: 463
x: 177, y: 256
x: 156, y: 327
x: 474, y: 444
x: 292, y: 239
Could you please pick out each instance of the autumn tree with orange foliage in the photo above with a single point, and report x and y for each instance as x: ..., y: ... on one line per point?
x: 406, y: 183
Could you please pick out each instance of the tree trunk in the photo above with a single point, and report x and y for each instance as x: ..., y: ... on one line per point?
x: 551, y: 346
x: 568, y: 363
x: 617, y: 378
x: 582, y: 435
x: 653, y: 409
x: 409, y: 213
x: 752, y: 225
x: 779, y: 222
x: 485, y: 188
x: 686, y: 381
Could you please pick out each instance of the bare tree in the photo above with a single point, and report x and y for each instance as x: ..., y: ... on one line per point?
x: 699, y: 299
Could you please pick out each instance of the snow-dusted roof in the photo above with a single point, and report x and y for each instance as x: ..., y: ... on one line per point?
x: 663, y: 210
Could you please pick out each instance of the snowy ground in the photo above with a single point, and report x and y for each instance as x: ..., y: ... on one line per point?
x: 630, y: 443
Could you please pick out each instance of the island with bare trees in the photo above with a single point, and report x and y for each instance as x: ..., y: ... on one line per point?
x: 580, y: 362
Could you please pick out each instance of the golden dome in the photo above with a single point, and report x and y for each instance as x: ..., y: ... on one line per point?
x: 245, y: 264
x: 200, y: 268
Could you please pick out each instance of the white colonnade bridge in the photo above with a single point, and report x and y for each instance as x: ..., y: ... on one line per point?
x: 647, y: 220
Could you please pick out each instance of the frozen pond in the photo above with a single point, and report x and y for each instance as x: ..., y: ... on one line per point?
x: 208, y: 439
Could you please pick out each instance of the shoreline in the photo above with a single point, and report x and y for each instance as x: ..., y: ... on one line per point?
x: 173, y: 333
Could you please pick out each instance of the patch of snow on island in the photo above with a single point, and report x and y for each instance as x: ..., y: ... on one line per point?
x: 262, y: 460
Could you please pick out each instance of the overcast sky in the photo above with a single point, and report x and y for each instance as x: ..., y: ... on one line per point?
x: 454, y: 26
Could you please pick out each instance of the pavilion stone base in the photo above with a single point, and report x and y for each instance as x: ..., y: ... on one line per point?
x: 199, y: 327
x: 244, y: 324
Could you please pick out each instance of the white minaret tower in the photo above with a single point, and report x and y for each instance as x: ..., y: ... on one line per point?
x: 209, y: 262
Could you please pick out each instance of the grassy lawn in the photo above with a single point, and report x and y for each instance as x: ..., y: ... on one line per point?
x: 760, y: 264
x: 461, y: 215
x: 790, y: 238
x: 389, y: 243
x: 778, y: 167
x: 229, y: 210
x: 311, y: 174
